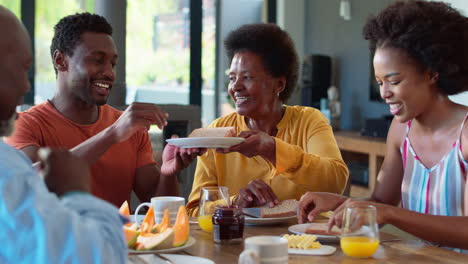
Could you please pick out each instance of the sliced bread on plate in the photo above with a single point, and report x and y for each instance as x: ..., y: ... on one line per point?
x: 214, y: 132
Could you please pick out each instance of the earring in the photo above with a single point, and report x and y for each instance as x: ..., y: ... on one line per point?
x: 277, y: 94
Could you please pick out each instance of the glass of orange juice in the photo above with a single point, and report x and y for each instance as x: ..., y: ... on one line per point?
x: 210, y: 197
x: 360, y: 232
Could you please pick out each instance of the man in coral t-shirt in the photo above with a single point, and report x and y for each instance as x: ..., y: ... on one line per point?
x: 115, y: 143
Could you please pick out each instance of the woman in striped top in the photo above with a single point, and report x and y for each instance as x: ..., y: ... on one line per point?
x: 420, y: 58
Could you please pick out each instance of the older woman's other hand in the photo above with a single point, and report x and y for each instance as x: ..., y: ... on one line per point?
x: 257, y: 193
x: 256, y: 143
x: 314, y: 203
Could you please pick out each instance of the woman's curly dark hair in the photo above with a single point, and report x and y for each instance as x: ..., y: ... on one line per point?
x: 68, y: 31
x: 432, y: 33
x: 274, y: 46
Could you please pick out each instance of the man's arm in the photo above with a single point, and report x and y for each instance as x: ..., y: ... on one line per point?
x: 90, y: 150
x: 137, y: 117
x: 149, y: 183
x: 31, y: 152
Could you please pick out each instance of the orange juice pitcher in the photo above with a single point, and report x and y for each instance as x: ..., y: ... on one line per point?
x: 210, y: 197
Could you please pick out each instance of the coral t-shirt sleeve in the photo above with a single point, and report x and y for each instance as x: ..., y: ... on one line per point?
x: 24, y: 134
x: 145, y: 150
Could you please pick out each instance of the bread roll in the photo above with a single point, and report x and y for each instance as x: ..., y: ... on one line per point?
x: 214, y: 132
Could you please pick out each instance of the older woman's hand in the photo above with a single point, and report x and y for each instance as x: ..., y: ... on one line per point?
x: 256, y: 193
x: 256, y: 143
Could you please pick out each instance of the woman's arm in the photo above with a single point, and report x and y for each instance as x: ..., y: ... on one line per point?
x: 447, y: 231
x: 390, y: 177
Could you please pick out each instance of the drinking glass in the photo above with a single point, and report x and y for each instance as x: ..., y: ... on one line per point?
x: 360, y: 232
x: 210, y: 197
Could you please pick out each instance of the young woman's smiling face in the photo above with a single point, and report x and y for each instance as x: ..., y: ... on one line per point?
x: 407, y: 87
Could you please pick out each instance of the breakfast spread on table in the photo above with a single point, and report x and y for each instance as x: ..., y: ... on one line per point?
x: 153, y: 236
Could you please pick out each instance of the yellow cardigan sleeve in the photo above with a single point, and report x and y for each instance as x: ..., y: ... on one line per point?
x: 320, y: 166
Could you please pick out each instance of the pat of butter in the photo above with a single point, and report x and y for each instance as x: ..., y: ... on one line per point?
x: 302, y: 241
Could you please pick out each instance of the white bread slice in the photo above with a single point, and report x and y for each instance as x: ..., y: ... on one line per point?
x: 321, y: 229
x: 214, y: 132
x: 284, y: 209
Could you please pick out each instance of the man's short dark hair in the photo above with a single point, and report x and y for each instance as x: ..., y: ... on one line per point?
x: 68, y: 31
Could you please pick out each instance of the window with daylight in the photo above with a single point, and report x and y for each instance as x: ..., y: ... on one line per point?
x: 158, y: 53
x: 46, y: 18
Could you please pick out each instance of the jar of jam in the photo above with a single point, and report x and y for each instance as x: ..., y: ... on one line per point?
x: 228, y: 224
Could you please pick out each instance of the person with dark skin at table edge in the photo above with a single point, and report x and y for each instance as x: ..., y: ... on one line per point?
x: 53, y: 219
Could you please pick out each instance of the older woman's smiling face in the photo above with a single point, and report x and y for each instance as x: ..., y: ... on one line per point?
x: 253, y: 90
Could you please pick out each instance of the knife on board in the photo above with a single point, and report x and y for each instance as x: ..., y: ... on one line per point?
x: 252, y: 212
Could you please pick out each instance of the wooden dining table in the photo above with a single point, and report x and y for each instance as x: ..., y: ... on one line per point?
x: 391, y: 250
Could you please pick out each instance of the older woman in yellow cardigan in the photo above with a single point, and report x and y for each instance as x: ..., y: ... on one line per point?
x: 288, y: 150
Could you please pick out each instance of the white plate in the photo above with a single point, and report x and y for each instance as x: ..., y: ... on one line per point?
x: 300, y: 229
x: 177, y: 259
x: 188, y: 244
x: 205, y: 142
x: 324, y: 250
x: 267, y: 221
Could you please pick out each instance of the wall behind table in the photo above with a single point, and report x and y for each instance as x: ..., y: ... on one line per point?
x: 461, y: 5
x: 327, y: 33
x: 233, y: 13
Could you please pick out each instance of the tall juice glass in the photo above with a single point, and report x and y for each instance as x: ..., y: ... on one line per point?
x: 360, y: 232
x: 210, y: 197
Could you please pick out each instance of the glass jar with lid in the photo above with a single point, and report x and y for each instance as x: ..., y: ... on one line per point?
x: 228, y: 224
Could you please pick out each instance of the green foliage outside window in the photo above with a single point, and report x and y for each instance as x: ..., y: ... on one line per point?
x: 168, y: 60
x: 13, y: 5
x: 162, y: 62
x: 48, y: 13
